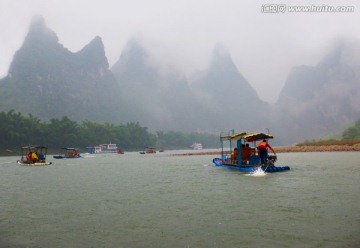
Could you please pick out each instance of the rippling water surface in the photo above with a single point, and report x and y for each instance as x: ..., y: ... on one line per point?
x: 158, y: 200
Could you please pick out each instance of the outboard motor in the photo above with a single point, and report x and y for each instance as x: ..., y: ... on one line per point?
x: 272, y: 159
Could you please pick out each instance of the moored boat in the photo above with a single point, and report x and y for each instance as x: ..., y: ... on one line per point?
x: 148, y: 150
x: 66, y: 152
x: 196, y: 146
x: 245, y: 157
x: 33, y: 156
x: 102, y: 148
x: 120, y: 151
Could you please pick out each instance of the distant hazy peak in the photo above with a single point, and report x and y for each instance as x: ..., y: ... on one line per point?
x: 37, y: 23
x: 95, y: 45
x: 222, y: 61
x: 95, y: 52
x: 344, y: 52
x: 135, y: 48
x: 220, y: 50
x: 96, y: 42
x: 39, y: 30
x: 133, y: 55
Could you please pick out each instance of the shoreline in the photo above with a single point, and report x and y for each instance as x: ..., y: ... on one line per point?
x: 329, y: 148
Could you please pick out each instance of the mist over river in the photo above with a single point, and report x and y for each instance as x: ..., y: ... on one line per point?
x: 159, y: 200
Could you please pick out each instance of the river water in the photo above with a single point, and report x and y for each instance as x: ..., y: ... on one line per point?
x: 158, y: 200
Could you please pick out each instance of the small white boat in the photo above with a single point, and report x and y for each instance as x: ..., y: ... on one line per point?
x: 103, y: 148
x: 196, y: 146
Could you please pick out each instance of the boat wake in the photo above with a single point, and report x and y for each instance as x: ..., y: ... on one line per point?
x: 257, y: 173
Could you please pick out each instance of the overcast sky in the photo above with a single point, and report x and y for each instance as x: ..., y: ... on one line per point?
x: 183, y: 33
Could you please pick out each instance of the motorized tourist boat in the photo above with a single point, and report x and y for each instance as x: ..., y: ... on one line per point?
x: 33, y: 156
x: 102, y: 148
x: 66, y: 152
x: 247, y: 158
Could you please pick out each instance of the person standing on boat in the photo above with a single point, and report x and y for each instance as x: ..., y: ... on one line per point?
x: 263, y: 151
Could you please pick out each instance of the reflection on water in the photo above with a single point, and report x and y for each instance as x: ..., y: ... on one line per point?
x: 158, y: 200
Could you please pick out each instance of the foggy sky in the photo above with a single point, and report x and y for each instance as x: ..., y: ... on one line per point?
x: 183, y: 33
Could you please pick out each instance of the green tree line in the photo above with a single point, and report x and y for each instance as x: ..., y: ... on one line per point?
x: 18, y: 130
x: 352, y: 132
x: 349, y: 136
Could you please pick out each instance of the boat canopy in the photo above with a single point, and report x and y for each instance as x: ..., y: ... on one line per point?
x: 257, y: 136
x: 249, y: 137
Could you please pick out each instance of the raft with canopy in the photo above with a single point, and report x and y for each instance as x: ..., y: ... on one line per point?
x: 33, y: 155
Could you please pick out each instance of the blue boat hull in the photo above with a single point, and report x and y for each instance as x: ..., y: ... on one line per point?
x: 270, y: 169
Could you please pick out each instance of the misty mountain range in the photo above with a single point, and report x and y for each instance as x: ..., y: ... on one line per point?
x: 48, y: 81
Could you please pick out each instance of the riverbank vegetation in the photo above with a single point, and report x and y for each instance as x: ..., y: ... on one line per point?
x: 18, y: 130
x: 350, y: 137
